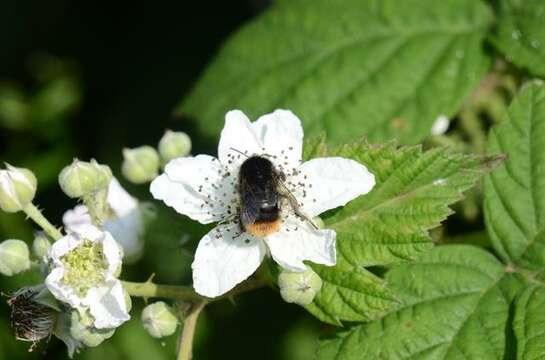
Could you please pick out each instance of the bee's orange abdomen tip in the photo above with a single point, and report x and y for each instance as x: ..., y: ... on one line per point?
x: 262, y: 229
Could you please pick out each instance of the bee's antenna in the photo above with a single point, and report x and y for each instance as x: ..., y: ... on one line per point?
x: 238, y: 151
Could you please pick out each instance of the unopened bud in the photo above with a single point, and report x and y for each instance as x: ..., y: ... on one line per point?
x: 81, y: 329
x: 83, y: 178
x: 141, y: 164
x: 174, y: 145
x: 41, y: 245
x: 299, y: 287
x: 159, y: 320
x: 14, y: 257
x: 17, y: 188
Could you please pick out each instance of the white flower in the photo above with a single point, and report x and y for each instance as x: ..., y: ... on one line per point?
x: 126, y: 224
x: 205, y: 189
x: 83, y: 266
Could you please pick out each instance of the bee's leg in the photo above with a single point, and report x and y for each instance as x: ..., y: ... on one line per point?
x: 297, y: 209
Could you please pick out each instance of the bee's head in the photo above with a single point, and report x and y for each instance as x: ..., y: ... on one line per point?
x: 257, y: 167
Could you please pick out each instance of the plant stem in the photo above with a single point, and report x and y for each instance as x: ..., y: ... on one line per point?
x: 36, y: 215
x: 185, y: 346
x: 148, y: 289
x: 97, y: 206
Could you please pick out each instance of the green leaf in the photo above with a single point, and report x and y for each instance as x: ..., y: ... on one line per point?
x: 515, y: 193
x: 454, y: 308
x: 382, y: 68
x: 390, y: 224
x: 529, y: 323
x: 412, y: 194
x: 350, y: 294
x: 520, y: 34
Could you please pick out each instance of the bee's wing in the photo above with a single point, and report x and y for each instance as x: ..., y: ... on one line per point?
x: 249, y: 207
x: 249, y: 212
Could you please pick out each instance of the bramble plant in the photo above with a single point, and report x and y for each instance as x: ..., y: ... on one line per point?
x: 345, y: 218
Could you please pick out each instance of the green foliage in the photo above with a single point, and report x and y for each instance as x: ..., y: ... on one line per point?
x: 515, y: 194
x: 387, y: 69
x: 454, y: 306
x: 528, y: 323
x: 520, y: 33
x: 390, y: 224
x: 459, y: 301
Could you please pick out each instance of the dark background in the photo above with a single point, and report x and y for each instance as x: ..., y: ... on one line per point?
x: 130, y: 64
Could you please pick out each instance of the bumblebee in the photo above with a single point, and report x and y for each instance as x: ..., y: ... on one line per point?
x: 262, y: 193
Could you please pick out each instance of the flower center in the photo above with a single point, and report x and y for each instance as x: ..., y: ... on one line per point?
x: 84, y: 267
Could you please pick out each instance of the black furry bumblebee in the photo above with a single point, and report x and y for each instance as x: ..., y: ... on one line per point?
x: 261, y: 193
x: 259, y: 197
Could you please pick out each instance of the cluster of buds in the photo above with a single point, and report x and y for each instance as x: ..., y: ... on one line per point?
x: 81, y: 300
x: 142, y: 164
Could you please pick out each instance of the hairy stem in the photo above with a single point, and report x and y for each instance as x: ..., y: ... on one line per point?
x: 149, y: 289
x: 185, y: 346
x: 36, y: 215
x: 97, y: 206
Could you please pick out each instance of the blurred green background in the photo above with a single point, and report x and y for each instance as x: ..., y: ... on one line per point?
x: 85, y: 79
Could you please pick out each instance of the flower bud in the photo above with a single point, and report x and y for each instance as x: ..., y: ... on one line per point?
x: 159, y: 319
x: 299, y: 287
x: 14, y: 257
x: 81, y: 329
x: 41, y: 245
x: 83, y: 178
x: 174, y: 145
x: 140, y: 164
x: 17, y: 188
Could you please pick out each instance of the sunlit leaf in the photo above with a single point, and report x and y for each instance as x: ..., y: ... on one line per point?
x: 386, y: 69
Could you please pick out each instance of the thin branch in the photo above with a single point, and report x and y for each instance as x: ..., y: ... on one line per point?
x: 36, y: 215
x: 149, y: 289
x: 185, y: 346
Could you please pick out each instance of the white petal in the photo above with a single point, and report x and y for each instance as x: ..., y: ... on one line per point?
x: 107, y: 305
x: 297, y: 241
x: 332, y: 182
x: 78, y: 216
x: 237, y: 136
x: 89, y: 232
x: 112, y: 252
x: 119, y: 199
x: 281, y: 134
x: 127, y: 231
x: 223, y: 260
x: 63, y: 246
x: 198, y: 187
x: 63, y: 293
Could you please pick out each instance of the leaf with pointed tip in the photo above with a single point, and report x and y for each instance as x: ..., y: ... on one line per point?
x: 515, y: 193
x: 386, y: 68
x: 389, y: 225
